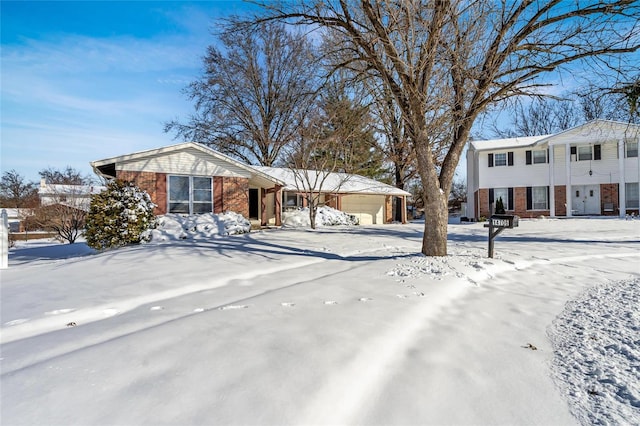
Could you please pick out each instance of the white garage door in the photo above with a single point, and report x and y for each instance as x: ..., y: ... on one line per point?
x: 368, y: 208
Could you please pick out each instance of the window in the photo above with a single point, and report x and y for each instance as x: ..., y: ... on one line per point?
x: 504, y: 194
x: 631, y: 195
x: 631, y: 149
x: 292, y: 201
x: 540, y: 156
x: 584, y: 153
x: 501, y: 159
x: 190, y: 195
x: 537, y: 198
x: 588, y: 152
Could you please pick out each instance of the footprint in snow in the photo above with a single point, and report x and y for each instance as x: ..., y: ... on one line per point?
x: 401, y: 296
x: 59, y: 311
x: 16, y: 322
x: 198, y: 310
x: 330, y: 302
x: 156, y: 308
x: 365, y: 299
x: 419, y: 294
x: 288, y: 304
x: 228, y: 307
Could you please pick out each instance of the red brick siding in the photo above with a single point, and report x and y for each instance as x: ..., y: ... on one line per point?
x: 235, y: 195
x: 561, y: 200
x: 155, y: 184
x: 609, y: 194
x: 218, y: 199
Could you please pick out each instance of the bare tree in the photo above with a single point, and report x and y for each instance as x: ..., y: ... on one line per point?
x: 68, y: 176
x: 66, y: 221
x: 447, y: 61
x: 16, y: 191
x: 253, y: 93
x: 547, y: 115
x: 323, y: 157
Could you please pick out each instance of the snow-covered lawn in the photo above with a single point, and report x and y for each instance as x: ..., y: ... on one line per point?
x: 341, y: 325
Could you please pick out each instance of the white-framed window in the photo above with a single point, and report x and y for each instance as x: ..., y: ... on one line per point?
x: 190, y: 194
x: 500, y: 159
x: 504, y: 194
x: 292, y: 200
x: 631, y: 195
x: 631, y: 149
x: 539, y: 156
x: 539, y: 198
x: 585, y: 153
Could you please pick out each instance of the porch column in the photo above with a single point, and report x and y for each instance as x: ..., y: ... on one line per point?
x: 263, y: 207
x: 278, y: 200
x: 404, y: 209
x: 552, y: 185
x: 568, y: 179
x: 622, y: 194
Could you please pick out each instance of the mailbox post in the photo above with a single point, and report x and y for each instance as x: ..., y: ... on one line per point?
x: 497, y: 224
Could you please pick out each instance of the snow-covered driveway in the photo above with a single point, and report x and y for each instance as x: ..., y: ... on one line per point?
x: 345, y: 326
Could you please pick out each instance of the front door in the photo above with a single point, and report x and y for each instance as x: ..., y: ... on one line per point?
x: 586, y: 199
x: 254, y: 203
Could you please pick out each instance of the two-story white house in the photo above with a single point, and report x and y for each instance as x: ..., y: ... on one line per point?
x: 592, y: 169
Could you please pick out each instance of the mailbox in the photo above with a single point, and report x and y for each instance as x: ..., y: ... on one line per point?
x: 503, y: 221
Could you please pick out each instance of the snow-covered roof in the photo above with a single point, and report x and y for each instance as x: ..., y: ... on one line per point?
x: 99, y: 165
x: 69, y: 190
x: 495, y: 144
x: 341, y: 183
x: 596, y: 130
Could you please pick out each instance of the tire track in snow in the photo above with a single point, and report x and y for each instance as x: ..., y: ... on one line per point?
x: 341, y: 399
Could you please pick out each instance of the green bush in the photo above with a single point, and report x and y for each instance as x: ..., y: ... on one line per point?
x: 118, y: 216
x: 500, y: 206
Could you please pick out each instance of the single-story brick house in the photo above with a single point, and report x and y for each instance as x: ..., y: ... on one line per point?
x: 190, y: 178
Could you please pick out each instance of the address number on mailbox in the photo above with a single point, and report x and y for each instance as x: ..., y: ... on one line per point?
x: 504, y: 221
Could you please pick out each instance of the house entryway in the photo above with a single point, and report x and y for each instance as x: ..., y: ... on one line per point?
x: 585, y: 199
x: 254, y: 203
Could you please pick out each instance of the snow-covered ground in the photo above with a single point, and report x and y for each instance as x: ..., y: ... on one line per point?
x: 341, y: 325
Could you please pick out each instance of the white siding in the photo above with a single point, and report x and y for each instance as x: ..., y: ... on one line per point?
x: 520, y: 174
x: 187, y: 162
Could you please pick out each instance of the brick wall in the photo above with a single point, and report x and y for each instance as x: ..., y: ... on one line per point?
x: 609, y: 194
x: 561, y: 200
x: 235, y: 195
x: 155, y: 184
x: 482, y: 197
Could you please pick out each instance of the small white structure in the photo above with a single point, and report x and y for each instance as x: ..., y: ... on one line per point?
x: 592, y: 169
x: 77, y: 196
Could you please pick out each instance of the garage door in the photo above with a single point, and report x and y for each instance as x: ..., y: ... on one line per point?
x: 369, y: 209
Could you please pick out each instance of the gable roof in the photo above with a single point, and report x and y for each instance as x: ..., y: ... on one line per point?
x: 596, y: 131
x: 102, y: 167
x: 330, y: 182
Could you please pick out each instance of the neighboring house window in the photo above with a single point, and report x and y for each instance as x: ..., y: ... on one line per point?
x: 501, y: 159
x: 537, y: 197
x: 538, y: 156
x: 588, y: 152
x: 631, y: 195
x: 631, y: 149
x: 505, y: 193
x: 190, y: 194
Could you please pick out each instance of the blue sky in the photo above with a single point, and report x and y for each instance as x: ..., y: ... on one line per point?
x: 87, y: 80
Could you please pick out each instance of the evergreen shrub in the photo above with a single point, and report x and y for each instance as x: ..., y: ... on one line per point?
x: 119, y: 216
